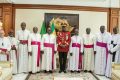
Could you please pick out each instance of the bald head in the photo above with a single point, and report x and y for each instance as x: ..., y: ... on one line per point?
x: 49, y: 30
x: 23, y: 25
x: 102, y: 29
x: 11, y: 33
x: 115, y: 30
x: 35, y: 29
x: 88, y: 30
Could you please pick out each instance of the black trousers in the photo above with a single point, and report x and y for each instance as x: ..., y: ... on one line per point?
x: 62, y: 60
x: 113, y: 58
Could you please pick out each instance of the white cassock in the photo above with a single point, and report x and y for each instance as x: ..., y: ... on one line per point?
x: 13, y: 54
x: 76, y: 48
x: 116, y: 48
x: 23, y: 62
x: 88, y: 42
x: 115, y: 41
x: 4, y: 46
x: 49, y: 58
x: 35, y: 47
x: 103, y: 59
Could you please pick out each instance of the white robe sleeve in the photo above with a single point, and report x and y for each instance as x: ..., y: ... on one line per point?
x: 8, y: 45
x: 29, y: 44
x: 81, y: 45
x: 55, y: 45
x: 109, y: 41
x: 117, y: 47
x: 16, y: 43
x: 17, y: 37
x: 95, y: 39
x: 42, y: 43
x: 70, y: 48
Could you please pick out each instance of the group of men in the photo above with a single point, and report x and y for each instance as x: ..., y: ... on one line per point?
x: 33, y: 52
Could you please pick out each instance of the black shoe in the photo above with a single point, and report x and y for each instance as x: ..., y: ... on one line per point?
x: 90, y: 71
x: 60, y: 71
x: 30, y: 72
x: 45, y: 71
x: 50, y: 71
x: 72, y: 71
x: 78, y: 71
x: 85, y: 71
x: 64, y: 71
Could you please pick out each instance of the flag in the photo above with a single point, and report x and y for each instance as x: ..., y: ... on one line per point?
x: 43, y: 29
x: 53, y: 29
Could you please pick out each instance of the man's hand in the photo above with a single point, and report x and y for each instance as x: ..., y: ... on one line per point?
x: 42, y: 52
x: 2, y: 52
x: 55, y: 52
x: 13, y: 48
x: 63, y: 46
x: 94, y: 52
x: 110, y: 52
x: 81, y: 53
x: 7, y: 52
x: 30, y: 53
x: 71, y: 54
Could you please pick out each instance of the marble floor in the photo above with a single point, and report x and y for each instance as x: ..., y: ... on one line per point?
x: 59, y: 76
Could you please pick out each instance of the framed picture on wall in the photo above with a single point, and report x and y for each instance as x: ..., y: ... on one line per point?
x: 58, y: 19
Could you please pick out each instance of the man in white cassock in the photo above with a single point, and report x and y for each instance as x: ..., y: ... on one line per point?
x: 114, y: 42
x: 23, y: 36
x: 49, y: 50
x: 103, y: 59
x: 88, y: 42
x: 13, y: 52
x: 76, y: 50
x: 116, y: 48
x: 35, y: 50
x: 4, y: 46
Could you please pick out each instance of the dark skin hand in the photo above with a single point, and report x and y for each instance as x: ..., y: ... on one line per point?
x: 30, y: 53
x: 94, y: 52
x: 13, y: 48
x: 110, y: 52
x: 55, y: 52
x: 42, y: 52
x: 71, y: 54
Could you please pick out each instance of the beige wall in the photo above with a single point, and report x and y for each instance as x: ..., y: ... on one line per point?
x: 35, y: 17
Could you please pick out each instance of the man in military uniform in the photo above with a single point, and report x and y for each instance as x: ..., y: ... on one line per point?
x: 63, y: 41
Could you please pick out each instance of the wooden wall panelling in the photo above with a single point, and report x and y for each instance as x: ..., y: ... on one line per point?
x: 114, y: 18
x: 7, y: 18
x: 0, y: 13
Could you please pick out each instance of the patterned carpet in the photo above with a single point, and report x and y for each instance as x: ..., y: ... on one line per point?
x: 62, y: 76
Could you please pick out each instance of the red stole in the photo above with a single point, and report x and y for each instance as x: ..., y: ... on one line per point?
x: 51, y: 45
x: 38, y: 56
x: 101, y: 44
x: 80, y: 55
x: 5, y: 50
x: 88, y: 46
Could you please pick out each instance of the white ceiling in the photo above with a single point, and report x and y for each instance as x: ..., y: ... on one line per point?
x: 96, y: 3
